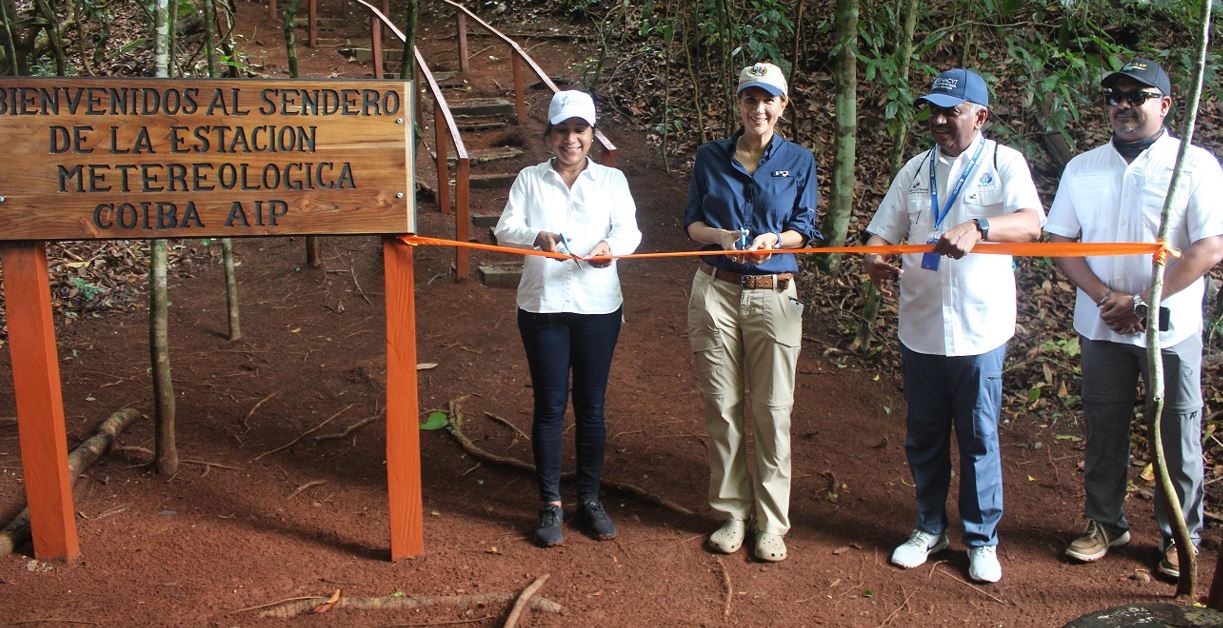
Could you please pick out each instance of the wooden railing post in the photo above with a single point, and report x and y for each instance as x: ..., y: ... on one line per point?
x: 312, y: 30
x: 462, y: 35
x: 405, y: 505
x: 443, y: 174
x: 39, y: 400
x: 375, y: 45
x: 520, y: 105
x: 462, y: 218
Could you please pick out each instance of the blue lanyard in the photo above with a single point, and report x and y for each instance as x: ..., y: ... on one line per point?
x: 941, y: 213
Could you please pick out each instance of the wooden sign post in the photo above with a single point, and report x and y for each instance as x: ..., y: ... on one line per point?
x: 138, y: 159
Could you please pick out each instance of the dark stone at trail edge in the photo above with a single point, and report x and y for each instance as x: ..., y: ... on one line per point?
x: 1149, y: 615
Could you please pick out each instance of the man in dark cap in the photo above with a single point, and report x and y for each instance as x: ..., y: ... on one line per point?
x: 1115, y: 193
x: 957, y: 312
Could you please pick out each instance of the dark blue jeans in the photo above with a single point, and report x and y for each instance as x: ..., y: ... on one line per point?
x: 557, y: 344
x: 964, y: 393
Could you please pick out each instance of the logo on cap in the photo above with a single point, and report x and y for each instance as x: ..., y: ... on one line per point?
x: 1134, y: 65
x: 758, y: 70
x: 944, y: 84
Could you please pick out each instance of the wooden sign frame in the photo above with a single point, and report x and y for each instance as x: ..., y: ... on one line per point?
x: 98, y: 158
x: 381, y: 202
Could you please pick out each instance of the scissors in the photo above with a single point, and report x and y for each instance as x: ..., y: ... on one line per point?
x: 566, y: 250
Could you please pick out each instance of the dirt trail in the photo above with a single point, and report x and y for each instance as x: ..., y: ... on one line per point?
x: 197, y: 548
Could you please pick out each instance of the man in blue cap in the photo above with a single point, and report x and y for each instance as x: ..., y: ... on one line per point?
x: 1115, y: 193
x: 957, y: 311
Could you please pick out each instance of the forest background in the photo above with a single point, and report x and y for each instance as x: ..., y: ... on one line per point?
x: 854, y: 69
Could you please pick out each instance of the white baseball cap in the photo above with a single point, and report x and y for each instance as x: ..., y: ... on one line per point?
x: 764, y: 76
x: 571, y: 104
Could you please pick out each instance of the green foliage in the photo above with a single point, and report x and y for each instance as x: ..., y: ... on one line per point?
x: 88, y: 291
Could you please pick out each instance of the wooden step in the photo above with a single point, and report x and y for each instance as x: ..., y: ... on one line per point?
x: 500, y: 275
x: 485, y: 221
x: 491, y: 181
x: 447, y: 79
x: 469, y: 125
x: 365, y: 55
x: 487, y: 155
x: 477, y: 107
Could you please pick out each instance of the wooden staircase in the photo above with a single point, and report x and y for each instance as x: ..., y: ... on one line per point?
x: 500, y: 124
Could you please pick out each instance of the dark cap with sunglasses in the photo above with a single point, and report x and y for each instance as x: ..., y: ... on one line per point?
x: 1144, y: 71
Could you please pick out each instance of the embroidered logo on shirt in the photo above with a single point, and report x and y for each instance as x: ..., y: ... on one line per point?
x: 987, y: 178
x: 781, y: 173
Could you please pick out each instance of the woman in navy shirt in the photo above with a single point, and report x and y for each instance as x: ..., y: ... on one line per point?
x: 754, y: 192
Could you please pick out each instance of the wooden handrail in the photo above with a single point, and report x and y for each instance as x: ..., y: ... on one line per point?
x: 442, y: 119
x: 519, y: 53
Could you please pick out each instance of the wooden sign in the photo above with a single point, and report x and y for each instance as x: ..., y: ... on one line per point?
x: 154, y: 158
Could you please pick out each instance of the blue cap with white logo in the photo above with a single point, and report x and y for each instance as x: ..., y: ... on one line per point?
x: 956, y: 86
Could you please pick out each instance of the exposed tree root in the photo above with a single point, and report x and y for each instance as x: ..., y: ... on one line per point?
x: 301, y: 606
x: 17, y: 531
x: 524, y: 599
x: 456, y: 429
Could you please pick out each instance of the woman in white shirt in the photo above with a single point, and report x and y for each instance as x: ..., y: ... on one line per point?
x: 569, y: 311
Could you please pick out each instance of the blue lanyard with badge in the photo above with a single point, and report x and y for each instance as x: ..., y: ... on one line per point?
x: 930, y: 260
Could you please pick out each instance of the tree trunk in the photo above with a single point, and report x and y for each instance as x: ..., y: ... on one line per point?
x: 841, y: 198
x: 227, y: 244
x: 795, y: 60
x: 17, y: 531
x: 1187, y: 582
x: 407, y: 68
x: 18, y: 64
x: 904, y: 54
x: 166, y: 458
x: 53, y: 37
x: 210, y: 27
x: 693, y: 73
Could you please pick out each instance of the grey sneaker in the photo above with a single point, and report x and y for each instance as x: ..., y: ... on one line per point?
x: 1095, y: 542
x: 592, y: 518
x: 914, y: 551
x: 548, y: 528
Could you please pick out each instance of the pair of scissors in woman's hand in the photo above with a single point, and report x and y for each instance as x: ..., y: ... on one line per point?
x: 564, y: 248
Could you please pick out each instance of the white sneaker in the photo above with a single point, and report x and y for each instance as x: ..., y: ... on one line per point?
x: 914, y: 551
x: 983, y: 564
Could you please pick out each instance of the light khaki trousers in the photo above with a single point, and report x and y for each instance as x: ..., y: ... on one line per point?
x: 745, y: 343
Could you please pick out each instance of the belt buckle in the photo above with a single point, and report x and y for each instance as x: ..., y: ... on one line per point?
x: 753, y: 282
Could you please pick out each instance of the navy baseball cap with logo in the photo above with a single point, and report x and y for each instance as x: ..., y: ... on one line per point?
x: 955, y: 86
x: 1144, y: 71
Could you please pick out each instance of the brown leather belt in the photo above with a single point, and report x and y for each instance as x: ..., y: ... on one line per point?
x: 778, y: 281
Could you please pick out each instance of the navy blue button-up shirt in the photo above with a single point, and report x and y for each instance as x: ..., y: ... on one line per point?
x: 779, y: 196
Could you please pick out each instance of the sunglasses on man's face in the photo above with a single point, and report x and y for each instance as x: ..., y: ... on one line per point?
x: 1114, y: 97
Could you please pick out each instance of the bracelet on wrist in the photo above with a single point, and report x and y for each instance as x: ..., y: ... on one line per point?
x: 1104, y: 299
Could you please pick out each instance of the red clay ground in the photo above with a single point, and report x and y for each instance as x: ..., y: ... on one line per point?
x: 198, y: 548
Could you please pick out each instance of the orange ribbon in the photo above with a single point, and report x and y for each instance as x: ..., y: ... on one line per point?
x: 1160, y: 250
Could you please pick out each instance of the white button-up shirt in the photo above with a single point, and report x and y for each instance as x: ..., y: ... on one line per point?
x: 967, y: 306
x: 598, y: 207
x: 1101, y: 198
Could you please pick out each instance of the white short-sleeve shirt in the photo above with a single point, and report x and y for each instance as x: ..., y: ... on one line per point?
x: 967, y: 306
x: 598, y: 207
x: 1101, y: 198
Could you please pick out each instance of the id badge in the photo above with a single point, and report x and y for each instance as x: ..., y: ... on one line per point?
x: 930, y: 259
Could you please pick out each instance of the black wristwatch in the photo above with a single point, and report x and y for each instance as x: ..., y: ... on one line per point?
x: 983, y: 227
x: 1140, y: 308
